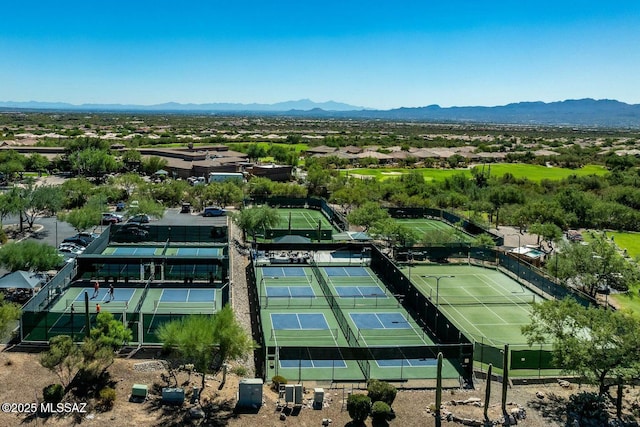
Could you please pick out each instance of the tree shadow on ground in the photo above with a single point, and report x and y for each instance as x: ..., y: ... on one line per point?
x: 552, y: 407
x: 214, y: 413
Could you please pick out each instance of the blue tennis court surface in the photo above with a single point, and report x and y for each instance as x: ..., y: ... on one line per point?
x: 346, y: 272
x: 379, y: 321
x: 283, y: 272
x: 195, y: 252
x: 290, y: 291
x: 398, y: 363
x: 292, y: 363
x: 188, y: 295
x: 359, y: 292
x: 299, y: 321
x: 119, y: 294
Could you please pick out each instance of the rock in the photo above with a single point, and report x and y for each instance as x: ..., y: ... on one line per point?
x: 539, y: 395
x: 196, y: 413
x: 472, y: 400
x: 565, y: 384
x: 283, y: 417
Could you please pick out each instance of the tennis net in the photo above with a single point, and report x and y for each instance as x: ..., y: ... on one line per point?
x: 288, y: 301
x: 487, y: 300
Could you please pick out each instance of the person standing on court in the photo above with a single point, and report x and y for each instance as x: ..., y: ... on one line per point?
x: 111, y: 292
x: 98, y: 308
x: 96, y: 289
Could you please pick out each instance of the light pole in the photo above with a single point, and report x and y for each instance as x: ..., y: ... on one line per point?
x: 435, y: 323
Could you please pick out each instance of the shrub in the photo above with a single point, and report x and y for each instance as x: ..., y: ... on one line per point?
x: 358, y: 406
x: 3, y: 236
x: 53, y: 393
x: 240, y: 371
x: 277, y: 380
x: 107, y: 397
x: 381, y: 391
x: 380, y: 411
x: 587, y: 409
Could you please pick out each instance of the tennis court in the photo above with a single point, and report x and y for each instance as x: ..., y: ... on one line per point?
x: 383, y: 328
x: 181, y: 300
x: 161, y: 250
x: 484, y: 303
x: 435, y: 229
x: 302, y: 219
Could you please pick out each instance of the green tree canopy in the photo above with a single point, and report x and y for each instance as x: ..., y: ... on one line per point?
x: 29, y: 255
x: 206, y: 341
x: 256, y: 220
x: 9, y: 314
x: 367, y: 215
x: 600, y: 345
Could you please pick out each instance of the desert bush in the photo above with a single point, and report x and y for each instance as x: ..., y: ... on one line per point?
x: 277, y: 380
x: 53, y: 393
x: 380, y: 411
x: 381, y: 391
x: 358, y: 406
x: 107, y: 398
x: 240, y: 371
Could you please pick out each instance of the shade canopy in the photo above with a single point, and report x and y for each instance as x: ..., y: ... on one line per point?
x: 22, y: 280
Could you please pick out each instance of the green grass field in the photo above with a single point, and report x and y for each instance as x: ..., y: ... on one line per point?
x: 533, y: 172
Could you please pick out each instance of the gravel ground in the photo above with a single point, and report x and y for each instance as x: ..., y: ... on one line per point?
x: 239, y: 291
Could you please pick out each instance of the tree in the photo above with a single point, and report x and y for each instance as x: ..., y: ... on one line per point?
x: 153, y: 164
x: 9, y: 314
x: 550, y: 233
x: 367, y: 215
x: 601, y: 345
x: 63, y: 358
x: 84, y: 218
x: 394, y: 232
x: 37, y: 201
x: 358, y: 406
x: 593, y: 266
x: 256, y: 220
x: 29, y: 255
x: 105, y: 338
x: 206, y: 341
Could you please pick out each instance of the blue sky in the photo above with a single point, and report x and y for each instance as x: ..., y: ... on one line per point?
x: 377, y: 54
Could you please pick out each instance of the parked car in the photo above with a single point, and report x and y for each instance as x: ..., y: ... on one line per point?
x: 140, y: 219
x: 78, y: 241
x: 120, y: 206
x: 70, y: 248
x: 186, y: 208
x: 212, y: 211
x: 111, y: 218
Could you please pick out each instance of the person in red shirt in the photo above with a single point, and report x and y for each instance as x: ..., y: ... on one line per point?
x: 96, y: 289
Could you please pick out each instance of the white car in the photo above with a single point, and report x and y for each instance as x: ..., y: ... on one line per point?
x: 70, y: 248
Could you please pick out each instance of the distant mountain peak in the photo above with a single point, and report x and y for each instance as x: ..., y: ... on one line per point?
x: 585, y: 112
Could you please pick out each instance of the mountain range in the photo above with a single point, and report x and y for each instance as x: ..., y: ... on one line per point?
x: 581, y: 112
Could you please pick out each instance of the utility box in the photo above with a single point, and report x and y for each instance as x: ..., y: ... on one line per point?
x: 250, y: 393
x: 297, y: 394
x: 139, y: 391
x: 288, y: 393
x: 172, y: 396
x: 318, y: 397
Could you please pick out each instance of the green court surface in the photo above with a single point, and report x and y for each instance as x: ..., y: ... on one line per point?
x: 302, y: 219
x: 437, y: 230
x: 67, y: 315
x: 485, y: 304
x: 296, y: 312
